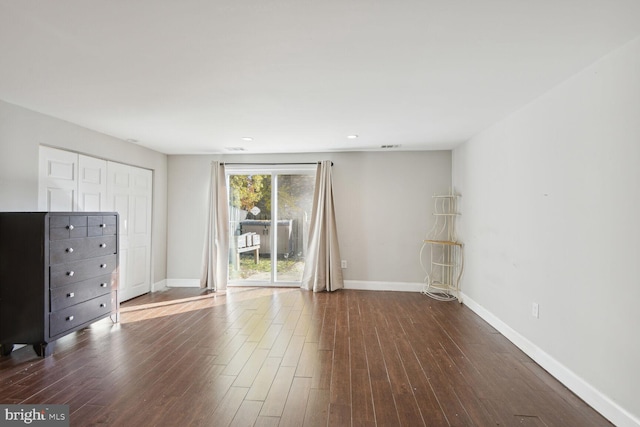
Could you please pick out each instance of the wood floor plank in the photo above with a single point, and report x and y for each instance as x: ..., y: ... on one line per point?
x: 303, y: 324
x: 385, y: 407
x: 276, y: 356
x: 228, y: 407
x: 317, y: 411
x: 281, y: 343
x: 235, y: 365
x: 327, y: 333
x: 339, y: 414
x: 362, y: 409
x: 247, y: 414
x: 259, y: 329
x: 292, y: 355
x: 291, y: 322
x: 180, y: 378
x: 323, y: 370
x: 278, y: 393
x: 283, y: 314
x: 426, y: 399
x: 445, y: 392
x: 250, y: 370
x: 341, y: 369
x: 262, y: 383
x: 314, y: 329
x: 296, y: 404
x: 230, y: 350
x: 408, y: 412
x: 65, y: 394
x: 252, y: 324
x: 375, y: 357
x: 267, y: 422
x: 393, y: 363
x: 308, y: 360
x: 200, y: 402
x: 85, y: 412
x: 270, y: 336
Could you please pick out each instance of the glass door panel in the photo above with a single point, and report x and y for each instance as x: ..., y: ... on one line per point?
x: 249, y: 228
x: 294, y: 201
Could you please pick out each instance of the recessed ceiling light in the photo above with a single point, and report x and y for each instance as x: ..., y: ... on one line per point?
x: 247, y: 138
x: 352, y: 136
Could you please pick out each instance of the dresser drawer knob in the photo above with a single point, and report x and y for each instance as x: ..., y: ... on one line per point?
x: 103, y: 265
x: 70, y: 318
x: 103, y: 305
x: 103, y: 245
x: 103, y: 225
x: 70, y: 273
x: 70, y: 227
x: 69, y: 250
x: 103, y: 285
x: 71, y: 295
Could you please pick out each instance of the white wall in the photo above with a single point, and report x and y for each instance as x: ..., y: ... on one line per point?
x: 21, y: 133
x: 383, y: 209
x: 551, y: 214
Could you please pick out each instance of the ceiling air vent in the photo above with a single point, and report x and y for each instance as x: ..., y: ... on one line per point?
x: 387, y: 147
x: 235, y: 148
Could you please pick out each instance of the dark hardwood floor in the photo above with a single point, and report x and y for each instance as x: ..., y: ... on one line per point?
x: 288, y: 357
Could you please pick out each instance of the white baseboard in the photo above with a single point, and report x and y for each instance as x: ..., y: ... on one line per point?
x: 183, y: 283
x: 362, y: 285
x: 159, y: 286
x: 600, y: 402
x: 367, y: 285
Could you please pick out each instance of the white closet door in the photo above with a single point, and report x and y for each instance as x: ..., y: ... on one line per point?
x: 57, y: 180
x: 92, y: 184
x: 129, y: 191
x: 72, y: 182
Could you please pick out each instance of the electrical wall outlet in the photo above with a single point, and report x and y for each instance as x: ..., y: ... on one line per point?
x: 535, y: 310
x: 343, y: 263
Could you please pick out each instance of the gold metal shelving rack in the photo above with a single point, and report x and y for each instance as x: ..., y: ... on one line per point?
x: 446, y: 262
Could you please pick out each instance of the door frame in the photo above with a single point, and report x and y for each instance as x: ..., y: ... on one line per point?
x: 274, y: 171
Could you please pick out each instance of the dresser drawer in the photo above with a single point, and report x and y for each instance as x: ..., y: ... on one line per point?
x: 101, y: 225
x: 67, y: 226
x: 71, y: 317
x: 74, y: 249
x: 76, y: 293
x: 77, y: 271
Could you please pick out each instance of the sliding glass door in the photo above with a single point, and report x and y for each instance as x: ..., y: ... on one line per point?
x: 269, y: 214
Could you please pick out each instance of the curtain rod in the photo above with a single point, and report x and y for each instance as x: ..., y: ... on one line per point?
x: 271, y: 164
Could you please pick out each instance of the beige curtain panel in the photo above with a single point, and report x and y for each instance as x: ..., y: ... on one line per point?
x: 322, y: 265
x: 215, y: 263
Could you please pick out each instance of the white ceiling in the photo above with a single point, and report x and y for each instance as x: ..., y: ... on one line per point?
x: 196, y: 76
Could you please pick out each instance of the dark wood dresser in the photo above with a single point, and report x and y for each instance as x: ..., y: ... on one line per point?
x: 58, y: 274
